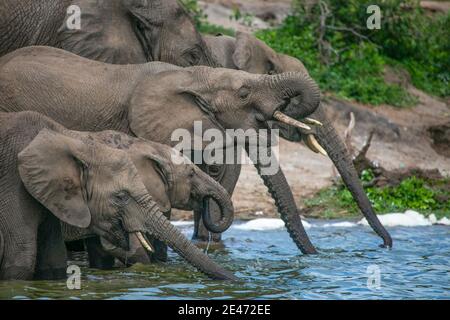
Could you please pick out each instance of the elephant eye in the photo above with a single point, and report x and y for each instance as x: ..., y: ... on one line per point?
x: 271, y: 68
x: 244, y: 93
x: 192, y: 57
x: 121, y: 198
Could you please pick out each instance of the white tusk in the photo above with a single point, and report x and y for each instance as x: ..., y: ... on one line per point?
x: 313, y: 122
x: 314, y: 145
x: 144, y: 242
x: 290, y: 121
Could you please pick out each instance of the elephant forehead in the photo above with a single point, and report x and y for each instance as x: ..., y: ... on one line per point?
x: 113, y: 139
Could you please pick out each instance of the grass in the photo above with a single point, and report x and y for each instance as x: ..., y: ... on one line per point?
x: 412, y: 193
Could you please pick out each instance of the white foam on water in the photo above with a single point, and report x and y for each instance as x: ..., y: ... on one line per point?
x: 183, y: 223
x: 408, y: 219
x: 444, y: 221
x: 265, y: 224
x: 342, y: 224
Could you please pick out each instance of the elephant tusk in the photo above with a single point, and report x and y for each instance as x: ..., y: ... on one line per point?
x: 314, y: 145
x: 290, y: 121
x: 313, y: 122
x: 144, y: 242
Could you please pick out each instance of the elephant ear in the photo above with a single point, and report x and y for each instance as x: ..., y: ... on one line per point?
x: 107, y: 33
x: 53, y: 172
x: 254, y: 56
x: 243, y: 51
x: 176, y: 100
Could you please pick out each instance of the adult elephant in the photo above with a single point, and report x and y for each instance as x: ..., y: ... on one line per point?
x: 172, y: 181
x: 246, y: 52
x: 49, y: 175
x: 132, y: 32
x: 150, y: 103
x: 113, y: 31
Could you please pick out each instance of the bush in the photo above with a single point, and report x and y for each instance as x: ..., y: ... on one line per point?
x: 412, y: 193
x: 350, y: 59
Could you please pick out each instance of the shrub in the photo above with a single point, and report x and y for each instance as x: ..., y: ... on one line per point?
x: 347, y: 58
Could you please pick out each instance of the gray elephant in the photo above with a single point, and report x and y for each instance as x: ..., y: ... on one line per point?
x: 114, y: 31
x: 247, y: 53
x: 132, y: 32
x: 51, y: 175
x: 172, y: 181
x: 154, y: 99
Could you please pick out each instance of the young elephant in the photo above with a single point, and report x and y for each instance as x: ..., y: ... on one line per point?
x: 172, y: 181
x: 247, y: 53
x: 153, y: 100
x: 51, y: 175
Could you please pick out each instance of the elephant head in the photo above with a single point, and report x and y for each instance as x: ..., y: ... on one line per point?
x: 252, y: 55
x: 89, y: 185
x: 220, y: 98
x: 172, y: 180
x: 135, y: 31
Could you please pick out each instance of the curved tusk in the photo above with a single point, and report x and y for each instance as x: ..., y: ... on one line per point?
x: 290, y: 121
x: 314, y: 145
x: 144, y: 242
x: 313, y: 122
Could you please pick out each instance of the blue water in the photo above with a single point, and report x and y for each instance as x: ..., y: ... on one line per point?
x: 271, y: 267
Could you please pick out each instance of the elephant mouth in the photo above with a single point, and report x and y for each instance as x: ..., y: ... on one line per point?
x: 107, y: 245
x: 307, y: 127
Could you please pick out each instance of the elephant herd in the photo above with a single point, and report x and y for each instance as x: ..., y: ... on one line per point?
x: 86, y: 119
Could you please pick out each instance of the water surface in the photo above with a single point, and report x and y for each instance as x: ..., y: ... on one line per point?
x: 271, y: 267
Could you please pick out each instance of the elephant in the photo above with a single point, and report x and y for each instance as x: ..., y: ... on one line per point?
x: 133, y: 32
x: 246, y: 52
x: 113, y: 31
x: 51, y: 175
x: 172, y: 181
x: 154, y: 99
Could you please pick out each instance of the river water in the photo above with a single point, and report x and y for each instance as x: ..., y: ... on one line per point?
x: 350, y: 266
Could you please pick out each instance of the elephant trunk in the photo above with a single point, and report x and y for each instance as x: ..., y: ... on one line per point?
x: 299, y: 88
x: 158, y: 225
x: 285, y: 203
x: 334, y: 146
x: 223, y: 200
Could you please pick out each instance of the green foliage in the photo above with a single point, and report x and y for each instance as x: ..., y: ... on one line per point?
x: 412, y: 193
x: 195, y: 10
x: 209, y: 28
x: 246, y: 19
x: 350, y: 59
x: 200, y: 19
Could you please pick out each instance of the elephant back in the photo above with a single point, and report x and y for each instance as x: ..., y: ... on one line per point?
x: 107, y: 34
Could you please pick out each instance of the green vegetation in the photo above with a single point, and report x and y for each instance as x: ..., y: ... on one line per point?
x: 201, y: 22
x: 209, y: 28
x: 349, y: 60
x: 412, y: 193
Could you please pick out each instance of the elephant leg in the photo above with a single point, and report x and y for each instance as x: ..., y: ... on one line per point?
x: 51, y: 260
x: 98, y: 257
x: 228, y: 176
x: 19, y: 254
